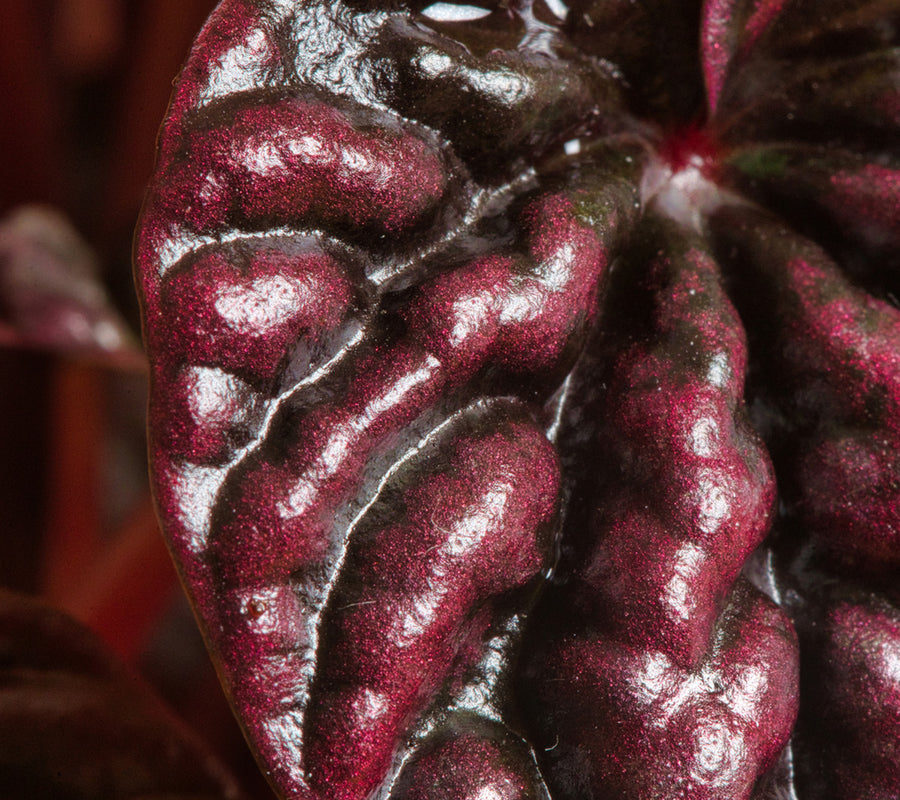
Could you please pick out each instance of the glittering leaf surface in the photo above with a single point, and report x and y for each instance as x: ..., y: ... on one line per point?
x: 853, y: 637
x: 472, y: 330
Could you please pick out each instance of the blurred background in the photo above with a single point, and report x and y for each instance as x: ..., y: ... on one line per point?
x: 85, y: 84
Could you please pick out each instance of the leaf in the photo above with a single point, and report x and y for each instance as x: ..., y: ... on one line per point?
x: 820, y: 333
x: 50, y: 293
x: 354, y: 496
x: 423, y: 309
x: 854, y: 698
x: 74, y: 723
x: 715, y: 729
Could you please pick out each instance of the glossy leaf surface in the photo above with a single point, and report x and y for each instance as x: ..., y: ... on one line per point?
x: 470, y: 340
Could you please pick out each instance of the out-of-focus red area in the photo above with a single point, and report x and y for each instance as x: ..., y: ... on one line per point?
x: 85, y: 85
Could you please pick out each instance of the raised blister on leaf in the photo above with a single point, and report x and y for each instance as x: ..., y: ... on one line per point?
x: 817, y: 336
x: 619, y: 720
x: 850, y: 713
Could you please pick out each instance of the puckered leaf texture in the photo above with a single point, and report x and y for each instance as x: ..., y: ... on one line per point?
x: 525, y: 379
